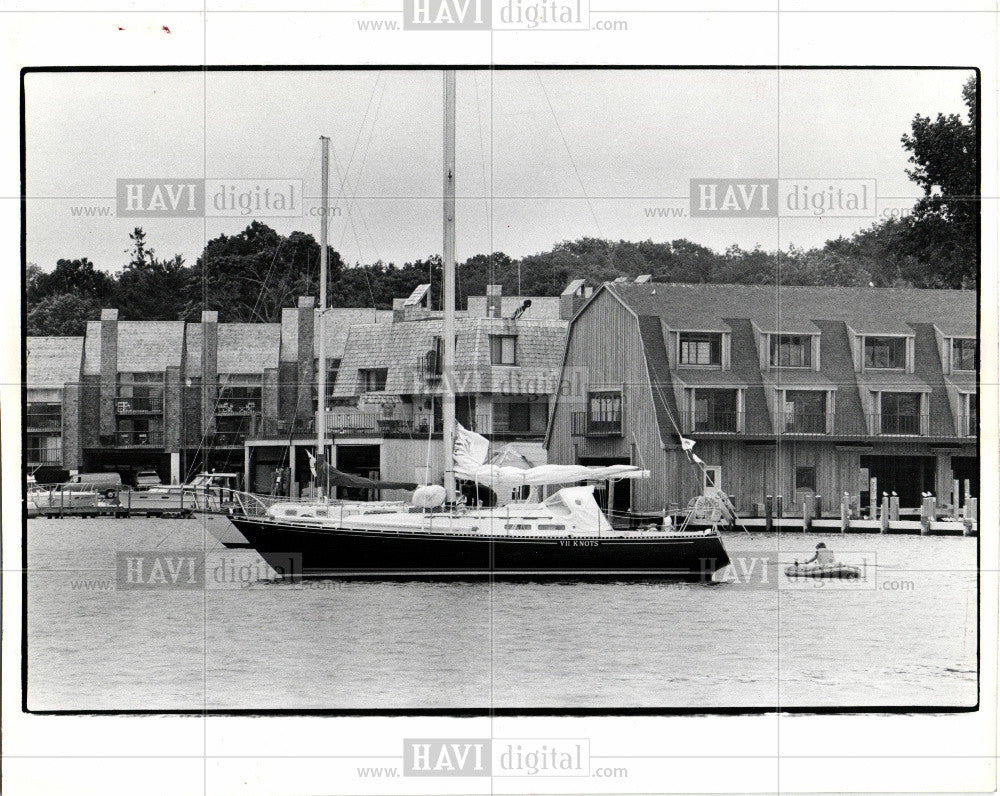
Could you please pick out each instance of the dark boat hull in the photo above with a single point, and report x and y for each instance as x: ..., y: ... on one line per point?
x: 407, y: 555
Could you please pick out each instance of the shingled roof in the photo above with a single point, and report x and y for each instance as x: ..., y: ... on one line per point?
x: 399, y: 347
x: 248, y: 347
x: 807, y: 310
x: 794, y: 309
x: 337, y: 324
x: 53, y: 361
x: 143, y: 346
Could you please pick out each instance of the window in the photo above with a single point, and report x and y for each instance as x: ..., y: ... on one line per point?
x: 527, y: 415
x: 44, y: 450
x: 44, y: 416
x: 373, y: 379
x: 791, y: 351
x: 971, y: 421
x: 885, y: 352
x: 805, y: 478
x: 715, y: 411
x: 700, y: 349
x: 604, y: 413
x: 900, y: 413
x: 963, y: 353
x: 805, y: 411
x: 503, y: 349
x: 239, y: 394
x: 139, y: 392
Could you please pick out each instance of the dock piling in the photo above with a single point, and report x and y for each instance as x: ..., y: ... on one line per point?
x: 885, y: 513
x: 894, y: 507
x: 779, y: 507
x: 845, y: 513
x: 808, y: 506
x: 768, y: 513
x: 928, y: 513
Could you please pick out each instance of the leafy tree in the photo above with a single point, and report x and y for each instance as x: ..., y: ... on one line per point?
x: 252, y: 275
x: 62, y: 314
x: 77, y: 277
x: 944, y: 228
x: 152, y: 289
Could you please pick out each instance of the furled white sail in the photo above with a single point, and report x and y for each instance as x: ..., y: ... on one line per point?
x: 470, y: 454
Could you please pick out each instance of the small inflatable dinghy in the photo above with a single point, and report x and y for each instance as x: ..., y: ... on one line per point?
x: 842, y: 571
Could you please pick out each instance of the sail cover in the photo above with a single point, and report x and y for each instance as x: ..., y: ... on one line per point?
x: 470, y: 454
x: 335, y: 477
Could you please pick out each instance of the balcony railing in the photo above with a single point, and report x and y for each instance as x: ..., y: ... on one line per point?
x: 798, y: 423
x: 371, y: 424
x: 43, y: 421
x: 900, y: 425
x: 271, y: 428
x: 227, y: 439
x: 237, y: 408
x: 46, y: 458
x: 585, y: 425
x: 718, y: 423
x: 139, y: 439
x: 139, y: 406
x: 492, y: 426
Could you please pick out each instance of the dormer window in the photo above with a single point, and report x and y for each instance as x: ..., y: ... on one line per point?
x: 963, y: 353
x: 503, y: 349
x: 373, y: 379
x: 791, y: 351
x: 888, y: 353
x: 700, y: 349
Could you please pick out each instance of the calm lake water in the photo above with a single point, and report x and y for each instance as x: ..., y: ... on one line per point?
x: 904, y: 636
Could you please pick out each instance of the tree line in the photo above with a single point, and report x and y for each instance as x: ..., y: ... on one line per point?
x: 250, y: 276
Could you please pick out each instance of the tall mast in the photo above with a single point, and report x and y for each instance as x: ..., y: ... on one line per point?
x: 448, y: 298
x: 321, y: 353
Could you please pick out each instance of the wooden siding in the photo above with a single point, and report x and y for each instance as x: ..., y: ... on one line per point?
x: 604, y: 351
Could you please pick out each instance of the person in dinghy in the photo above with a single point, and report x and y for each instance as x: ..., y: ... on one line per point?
x: 823, y: 557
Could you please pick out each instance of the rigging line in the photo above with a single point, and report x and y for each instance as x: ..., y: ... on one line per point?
x: 361, y: 168
x: 341, y: 193
x: 277, y: 251
x: 357, y: 240
x: 487, y: 199
x: 579, y: 179
x: 253, y: 313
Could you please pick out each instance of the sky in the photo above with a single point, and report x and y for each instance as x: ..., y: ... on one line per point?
x: 542, y: 156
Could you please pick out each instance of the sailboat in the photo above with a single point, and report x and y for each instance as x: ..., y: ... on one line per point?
x: 562, y: 536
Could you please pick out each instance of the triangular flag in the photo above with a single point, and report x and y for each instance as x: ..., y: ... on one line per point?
x: 312, y: 464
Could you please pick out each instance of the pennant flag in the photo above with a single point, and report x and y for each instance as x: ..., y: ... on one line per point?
x: 312, y: 464
x: 687, y: 444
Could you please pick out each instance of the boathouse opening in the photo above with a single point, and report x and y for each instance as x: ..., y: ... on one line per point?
x: 907, y: 476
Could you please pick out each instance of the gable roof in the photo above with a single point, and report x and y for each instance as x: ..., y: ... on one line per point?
x: 53, y: 361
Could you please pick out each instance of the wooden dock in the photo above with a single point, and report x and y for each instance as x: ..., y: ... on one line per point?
x: 884, y: 518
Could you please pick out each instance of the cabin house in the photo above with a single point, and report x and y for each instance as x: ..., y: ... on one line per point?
x: 802, y: 390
